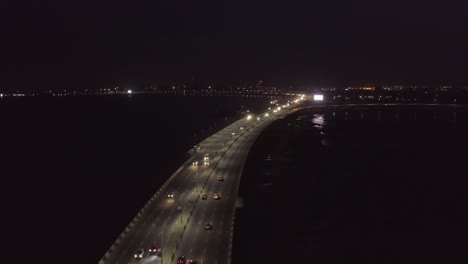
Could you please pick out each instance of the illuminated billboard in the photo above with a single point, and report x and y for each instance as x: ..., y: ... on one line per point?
x: 318, y: 97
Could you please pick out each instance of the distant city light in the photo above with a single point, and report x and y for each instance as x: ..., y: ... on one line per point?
x: 318, y: 97
x: 129, y: 91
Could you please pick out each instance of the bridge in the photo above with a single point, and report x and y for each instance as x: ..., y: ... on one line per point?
x: 174, y: 218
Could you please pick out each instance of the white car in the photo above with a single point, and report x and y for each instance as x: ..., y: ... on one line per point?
x: 139, y: 253
x: 216, y: 196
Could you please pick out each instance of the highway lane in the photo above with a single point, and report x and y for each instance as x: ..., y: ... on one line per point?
x: 214, y: 212
x: 161, y: 221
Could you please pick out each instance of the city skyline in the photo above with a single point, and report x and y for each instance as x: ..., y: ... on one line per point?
x: 57, y: 45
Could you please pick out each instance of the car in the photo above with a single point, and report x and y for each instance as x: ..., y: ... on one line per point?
x: 154, y: 248
x: 216, y: 196
x: 139, y: 253
x: 195, y: 163
x: 204, y: 196
x: 170, y: 195
x: 208, y: 226
x: 220, y: 178
x: 181, y: 260
x: 191, y: 261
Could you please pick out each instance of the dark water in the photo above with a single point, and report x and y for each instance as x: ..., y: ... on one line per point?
x: 75, y: 170
x: 358, y: 185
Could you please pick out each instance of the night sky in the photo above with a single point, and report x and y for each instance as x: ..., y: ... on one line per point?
x: 74, y: 44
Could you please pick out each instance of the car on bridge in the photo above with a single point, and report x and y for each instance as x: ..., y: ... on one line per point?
x: 154, y: 249
x: 204, y: 196
x: 170, y: 195
x: 139, y: 253
x: 220, y: 178
x: 208, y: 226
x: 195, y: 163
x: 216, y: 196
x: 181, y: 260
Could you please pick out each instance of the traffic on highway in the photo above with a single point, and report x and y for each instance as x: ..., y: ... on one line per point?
x: 190, y: 219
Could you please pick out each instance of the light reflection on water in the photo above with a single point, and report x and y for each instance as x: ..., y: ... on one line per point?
x: 319, y: 122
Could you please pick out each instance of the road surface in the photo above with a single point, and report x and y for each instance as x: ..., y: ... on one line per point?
x: 177, y: 224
